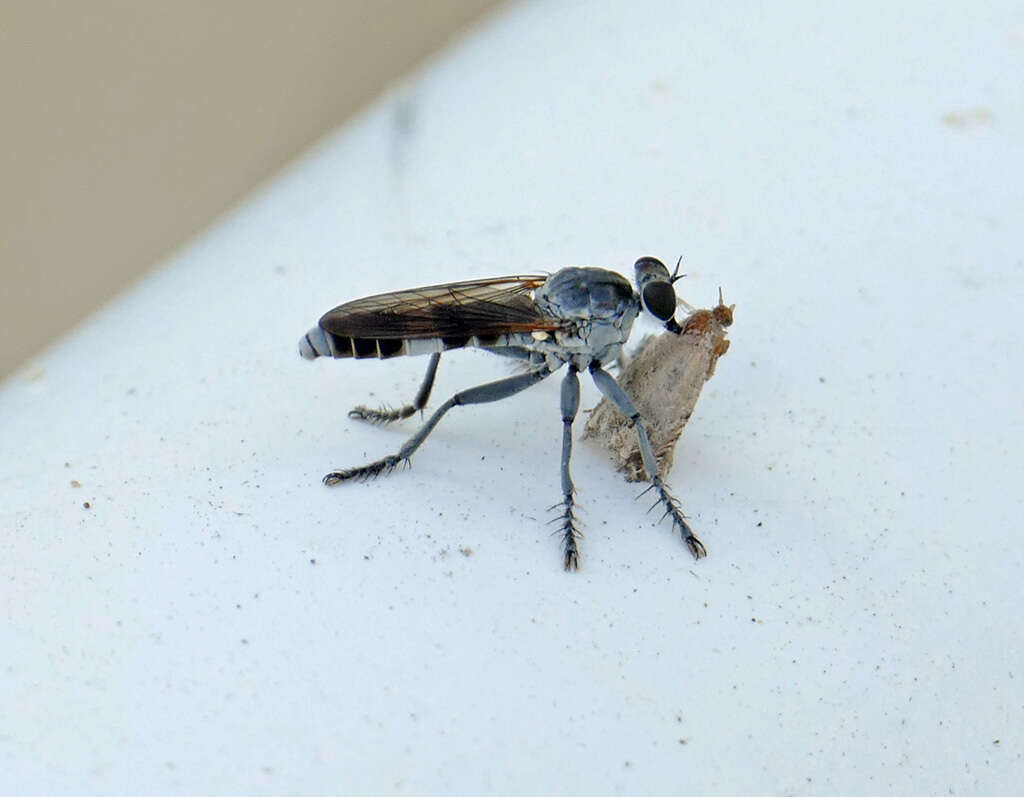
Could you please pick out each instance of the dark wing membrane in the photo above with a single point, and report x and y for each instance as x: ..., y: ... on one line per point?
x: 495, y: 306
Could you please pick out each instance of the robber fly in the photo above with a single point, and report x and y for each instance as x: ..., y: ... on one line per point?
x: 578, y: 317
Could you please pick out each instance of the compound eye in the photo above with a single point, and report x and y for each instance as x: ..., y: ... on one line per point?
x: 660, y: 299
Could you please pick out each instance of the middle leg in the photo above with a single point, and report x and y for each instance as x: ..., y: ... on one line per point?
x: 492, y: 391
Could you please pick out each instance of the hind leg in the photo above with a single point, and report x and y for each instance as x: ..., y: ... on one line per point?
x: 387, y: 415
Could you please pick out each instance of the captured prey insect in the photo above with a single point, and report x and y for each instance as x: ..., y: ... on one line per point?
x: 578, y: 317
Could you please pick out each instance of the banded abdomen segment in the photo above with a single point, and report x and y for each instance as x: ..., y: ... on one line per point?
x: 320, y: 343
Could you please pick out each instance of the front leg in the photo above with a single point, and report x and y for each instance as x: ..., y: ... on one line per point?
x: 606, y: 384
x: 570, y: 530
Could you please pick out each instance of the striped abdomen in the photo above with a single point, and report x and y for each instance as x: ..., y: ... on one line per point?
x: 320, y: 343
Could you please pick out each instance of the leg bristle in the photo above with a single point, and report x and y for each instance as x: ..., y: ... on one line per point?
x: 365, y: 472
x: 380, y: 415
x: 673, y: 510
x: 571, y: 532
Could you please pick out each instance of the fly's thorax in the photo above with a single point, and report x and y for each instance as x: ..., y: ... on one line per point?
x: 598, y: 308
x: 585, y: 293
x: 602, y: 345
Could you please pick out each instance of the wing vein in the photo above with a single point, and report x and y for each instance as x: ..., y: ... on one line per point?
x: 495, y: 306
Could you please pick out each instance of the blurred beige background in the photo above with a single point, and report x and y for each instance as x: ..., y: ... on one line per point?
x: 125, y: 128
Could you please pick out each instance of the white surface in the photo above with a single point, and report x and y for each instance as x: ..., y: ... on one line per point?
x: 218, y: 622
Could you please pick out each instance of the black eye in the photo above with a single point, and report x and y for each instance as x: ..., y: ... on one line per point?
x: 660, y: 299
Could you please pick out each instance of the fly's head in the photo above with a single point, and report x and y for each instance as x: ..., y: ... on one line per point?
x: 657, y: 294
